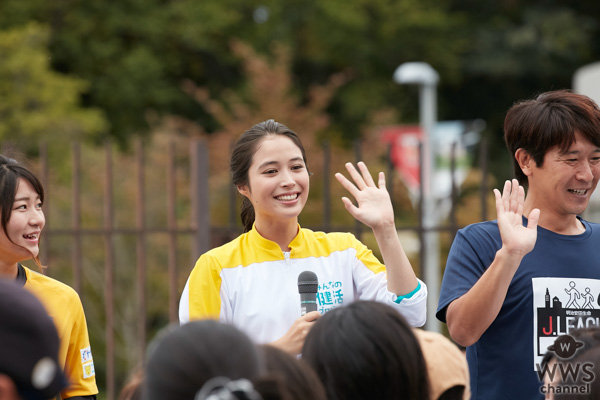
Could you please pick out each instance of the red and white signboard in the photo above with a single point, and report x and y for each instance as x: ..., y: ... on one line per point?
x: 405, y: 140
x: 405, y: 152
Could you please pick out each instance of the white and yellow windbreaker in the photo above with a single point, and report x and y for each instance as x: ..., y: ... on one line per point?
x: 252, y: 284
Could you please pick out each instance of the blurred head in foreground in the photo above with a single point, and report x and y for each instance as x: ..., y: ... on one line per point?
x: 29, y: 367
x: 367, y: 350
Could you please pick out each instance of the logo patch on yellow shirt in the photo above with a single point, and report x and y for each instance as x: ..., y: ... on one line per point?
x: 87, y: 362
x: 86, y: 355
x: 89, y: 370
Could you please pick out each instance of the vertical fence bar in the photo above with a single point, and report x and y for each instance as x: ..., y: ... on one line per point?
x: 76, y: 218
x: 45, y: 249
x: 483, y: 159
x: 108, y: 266
x: 389, y: 174
x: 200, y: 199
x: 358, y: 227
x: 453, y: 191
x: 141, y: 247
x: 232, y: 199
x: 421, y: 230
x: 172, y: 226
x: 326, y: 186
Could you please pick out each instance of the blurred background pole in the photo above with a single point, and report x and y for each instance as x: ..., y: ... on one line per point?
x: 422, y: 74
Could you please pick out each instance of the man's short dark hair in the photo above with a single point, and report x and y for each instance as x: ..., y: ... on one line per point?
x: 551, y: 119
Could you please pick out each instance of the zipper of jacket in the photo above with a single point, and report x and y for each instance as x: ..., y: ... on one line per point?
x: 288, y: 264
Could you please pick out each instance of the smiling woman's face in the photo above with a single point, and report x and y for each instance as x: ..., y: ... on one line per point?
x: 278, y: 180
x: 24, y: 226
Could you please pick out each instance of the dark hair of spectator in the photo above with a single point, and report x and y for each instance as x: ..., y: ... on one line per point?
x: 367, y: 350
x: 587, y: 364
x: 298, y: 378
x: 188, y: 356
x: 587, y: 353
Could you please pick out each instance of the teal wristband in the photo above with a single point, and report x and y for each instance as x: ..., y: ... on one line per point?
x: 408, y: 295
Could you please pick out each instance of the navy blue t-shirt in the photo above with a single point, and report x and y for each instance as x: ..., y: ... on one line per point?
x: 555, y: 290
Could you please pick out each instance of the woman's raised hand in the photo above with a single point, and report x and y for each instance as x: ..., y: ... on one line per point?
x: 374, y: 206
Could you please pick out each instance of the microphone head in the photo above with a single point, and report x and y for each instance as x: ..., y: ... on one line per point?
x: 308, y: 282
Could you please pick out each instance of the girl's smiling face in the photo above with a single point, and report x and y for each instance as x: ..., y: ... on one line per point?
x: 21, y: 239
x: 278, y: 180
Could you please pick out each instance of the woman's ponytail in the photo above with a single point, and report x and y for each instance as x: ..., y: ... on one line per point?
x: 247, y: 214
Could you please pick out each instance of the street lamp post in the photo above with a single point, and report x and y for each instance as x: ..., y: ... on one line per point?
x: 422, y: 74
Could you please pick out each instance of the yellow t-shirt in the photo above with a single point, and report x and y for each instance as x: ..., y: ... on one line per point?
x: 65, y: 309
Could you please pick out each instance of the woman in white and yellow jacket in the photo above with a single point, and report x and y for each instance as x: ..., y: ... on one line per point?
x: 251, y: 281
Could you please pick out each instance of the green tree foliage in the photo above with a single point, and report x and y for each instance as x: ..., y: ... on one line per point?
x: 135, y: 53
x: 517, y: 49
x: 371, y: 37
x: 268, y: 94
x: 38, y: 102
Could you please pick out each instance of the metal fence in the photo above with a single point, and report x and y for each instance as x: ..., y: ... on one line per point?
x: 199, y: 232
